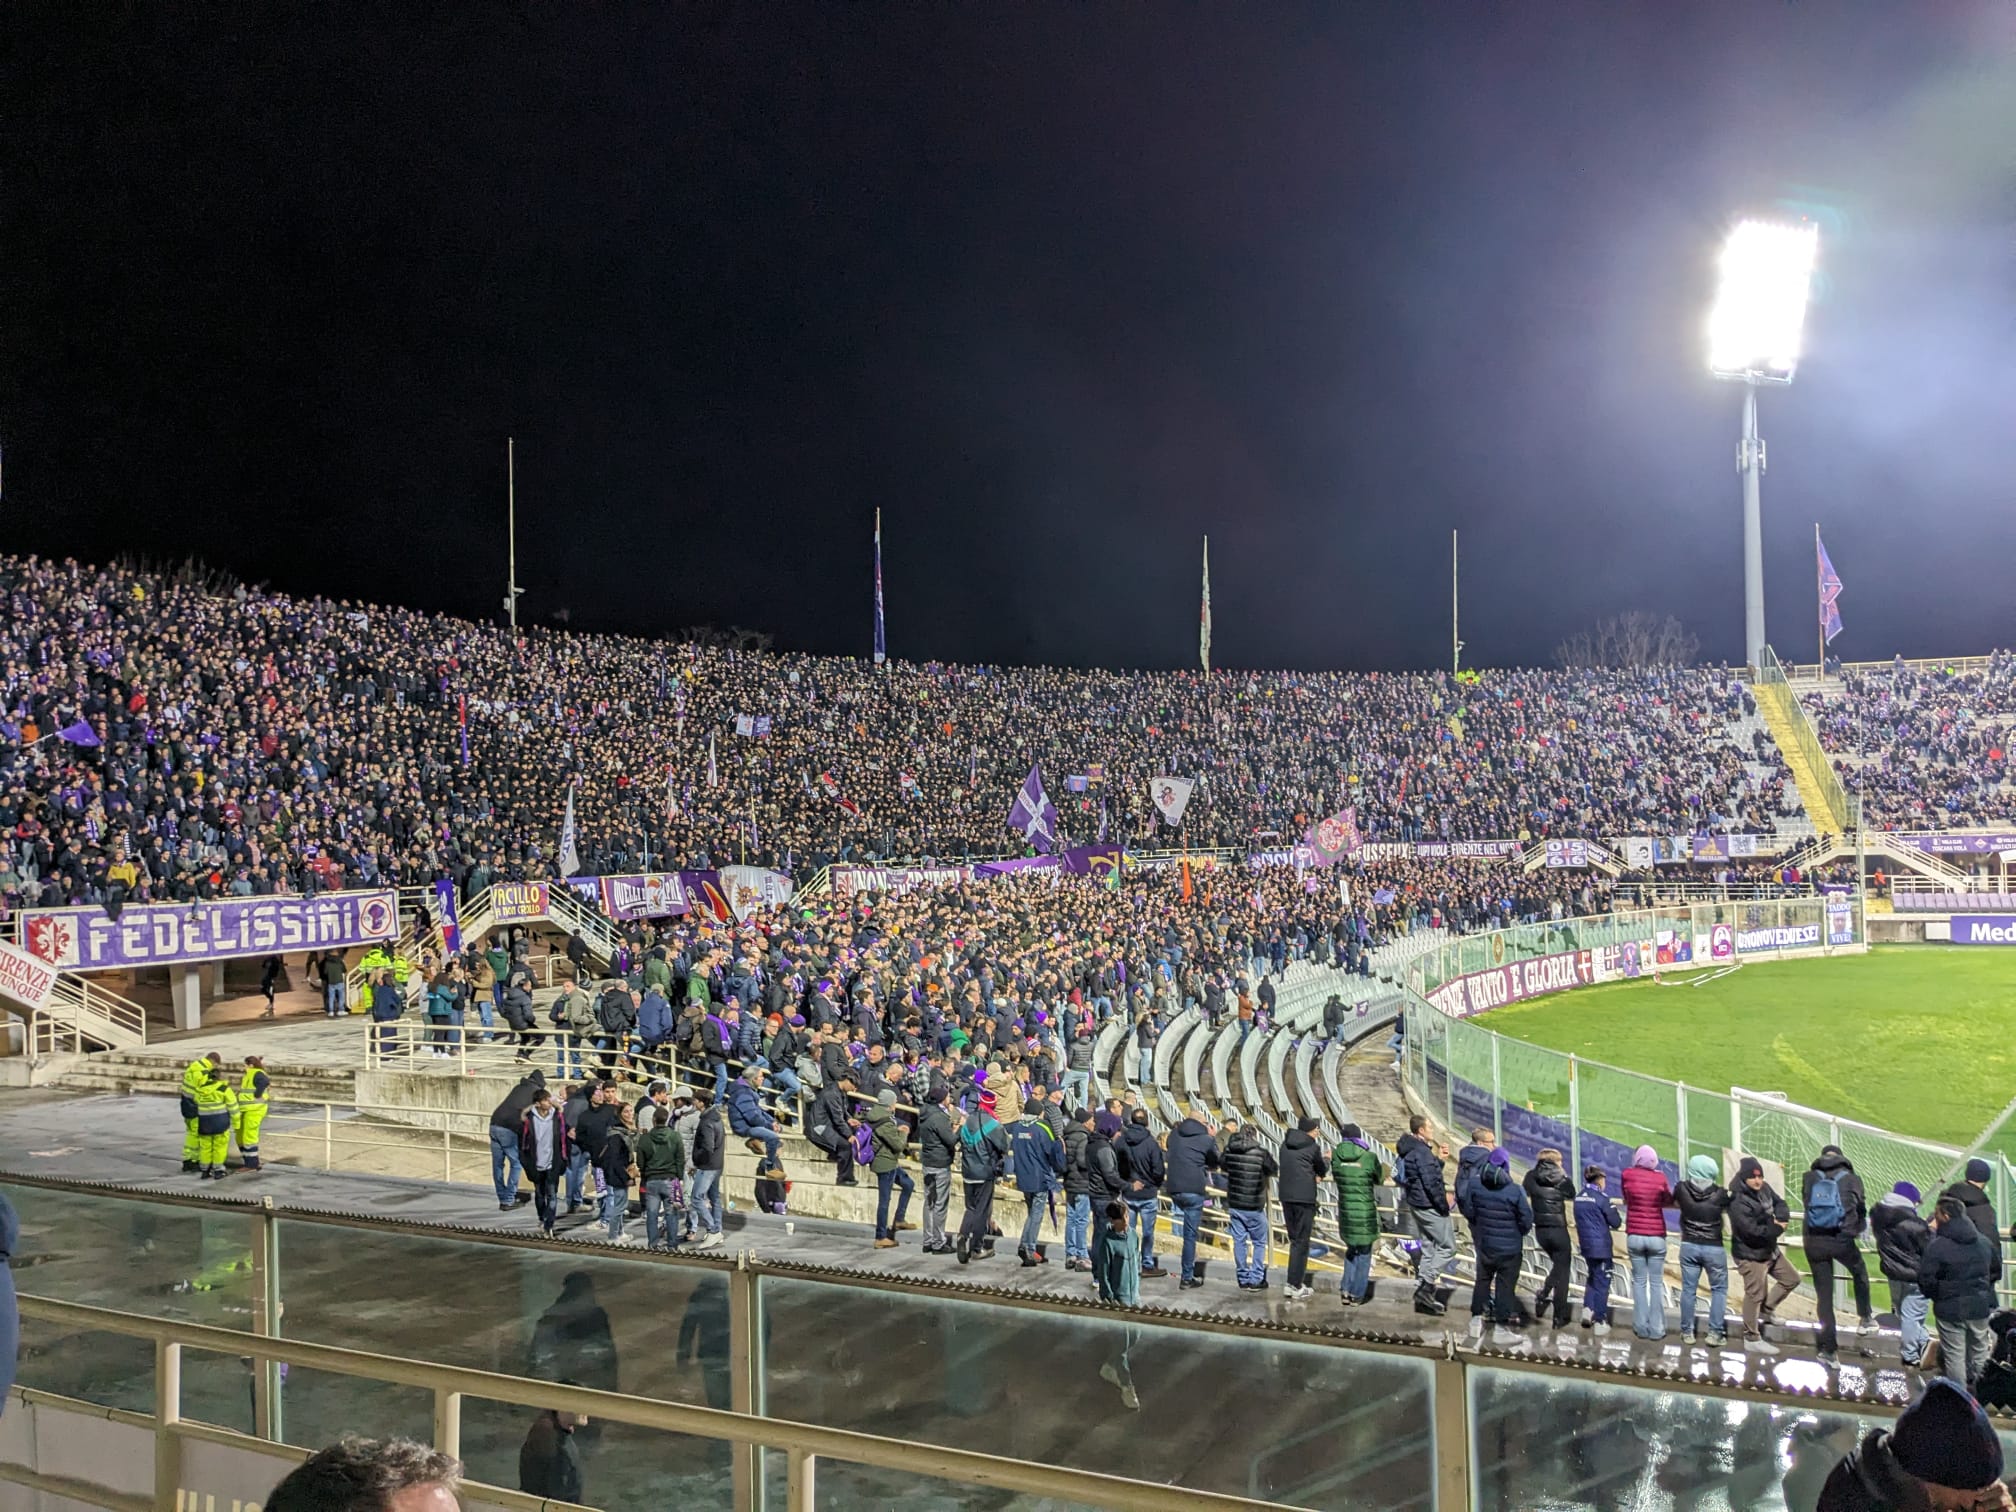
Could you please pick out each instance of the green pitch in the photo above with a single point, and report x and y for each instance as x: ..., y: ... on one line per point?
x: 1917, y: 1039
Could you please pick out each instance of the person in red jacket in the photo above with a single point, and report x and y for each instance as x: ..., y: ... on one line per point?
x: 1647, y: 1195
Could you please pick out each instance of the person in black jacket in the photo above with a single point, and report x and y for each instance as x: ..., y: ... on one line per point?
x: 1302, y: 1166
x: 1108, y: 1185
x: 1078, y: 1178
x: 1901, y: 1240
x: 1425, y: 1195
x: 505, y: 1160
x: 1248, y: 1168
x: 1192, y: 1154
x: 1757, y: 1221
x: 1958, y: 1275
x: 1143, y: 1169
x: 1973, y: 1195
x: 1703, y: 1200
x: 549, y: 1464
x: 1834, y: 1212
x: 1552, y: 1194
x: 710, y: 1156
x: 937, y: 1143
x: 1943, y: 1443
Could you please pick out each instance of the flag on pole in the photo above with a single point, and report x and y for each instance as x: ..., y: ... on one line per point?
x: 1033, y: 814
x: 570, y: 849
x: 1102, y: 818
x: 78, y: 733
x: 713, y: 775
x: 1830, y: 591
x: 1171, y: 795
x: 1204, y: 618
x: 881, y: 640
x: 671, y: 797
x: 462, y: 717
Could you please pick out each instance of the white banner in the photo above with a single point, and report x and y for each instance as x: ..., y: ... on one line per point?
x: 25, y: 979
x: 1171, y: 796
x: 749, y: 888
x: 1742, y: 845
x: 1638, y: 853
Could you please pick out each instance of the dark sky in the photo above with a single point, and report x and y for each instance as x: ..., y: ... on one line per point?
x: 1060, y: 287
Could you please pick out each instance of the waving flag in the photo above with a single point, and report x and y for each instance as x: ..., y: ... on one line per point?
x: 1335, y: 838
x: 881, y: 639
x: 1830, y: 592
x: 570, y: 849
x: 462, y: 718
x: 1204, y: 617
x: 79, y: 733
x: 1032, y: 814
x: 713, y: 773
x: 1171, y: 795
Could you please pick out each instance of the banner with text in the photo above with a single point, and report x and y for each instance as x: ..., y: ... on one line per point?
x: 517, y: 902
x: 644, y: 895
x: 1513, y: 982
x: 25, y: 979
x: 160, y: 934
x: 896, y: 880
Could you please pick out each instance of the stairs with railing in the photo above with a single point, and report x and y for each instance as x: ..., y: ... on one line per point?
x: 81, y: 1017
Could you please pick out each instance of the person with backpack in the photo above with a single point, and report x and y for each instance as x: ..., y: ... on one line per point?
x: 1703, y: 1201
x: 1834, y: 1212
x: 1552, y: 1193
x: 1901, y: 1240
x: 1596, y: 1219
x: 1357, y: 1172
x: 983, y: 1155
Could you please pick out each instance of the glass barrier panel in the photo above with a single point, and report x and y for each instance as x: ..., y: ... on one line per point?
x: 1633, y: 1447
x: 109, y: 1370
x: 1304, y: 1424
x: 165, y: 1261
x: 218, y: 1389
x: 600, y: 1464
x: 318, y: 1407
x: 839, y: 1484
x: 1625, y: 1110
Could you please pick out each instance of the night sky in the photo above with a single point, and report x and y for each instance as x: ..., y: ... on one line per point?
x: 1061, y: 288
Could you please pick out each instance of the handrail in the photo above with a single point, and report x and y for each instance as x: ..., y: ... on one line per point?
x: 1844, y: 811
x: 804, y: 1442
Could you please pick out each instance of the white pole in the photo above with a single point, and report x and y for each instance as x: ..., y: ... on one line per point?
x: 511, y: 494
x: 1750, y: 457
x: 1455, y: 636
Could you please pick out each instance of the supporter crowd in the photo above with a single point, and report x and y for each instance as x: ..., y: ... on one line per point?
x: 177, y: 741
x: 1924, y: 748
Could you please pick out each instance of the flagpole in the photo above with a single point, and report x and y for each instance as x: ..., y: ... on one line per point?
x: 1455, y: 639
x: 1820, y: 608
x: 511, y: 588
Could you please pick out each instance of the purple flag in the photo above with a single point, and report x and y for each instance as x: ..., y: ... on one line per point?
x: 1033, y: 815
x: 1334, y: 838
x: 1830, y: 591
x: 79, y: 733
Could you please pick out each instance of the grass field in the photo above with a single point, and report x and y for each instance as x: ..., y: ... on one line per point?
x: 1920, y: 1040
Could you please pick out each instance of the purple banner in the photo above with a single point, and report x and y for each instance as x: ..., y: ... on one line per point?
x: 159, y: 934
x: 1984, y: 929
x: 644, y: 895
x: 444, y: 904
x: 1710, y: 848
x: 1093, y: 860
x: 987, y: 869
x: 1959, y: 845
x: 849, y: 880
x: 1440, y: 850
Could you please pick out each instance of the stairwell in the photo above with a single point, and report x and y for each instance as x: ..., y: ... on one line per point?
x: 1784, y: 718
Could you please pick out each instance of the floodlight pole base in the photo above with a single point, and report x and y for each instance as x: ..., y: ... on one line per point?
x: 1750, y: 462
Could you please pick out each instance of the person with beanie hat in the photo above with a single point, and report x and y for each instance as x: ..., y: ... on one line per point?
x: 937, y: 1144
x: 1942, y: 1454
x: 1834, y: 1211
x: 1302, y: 1167
x: 1500, y: 1219
x: 1973, y: 1195
x: 1647, y: 1195
x: 1358, y: 1173
x: 1596, y: 1219
x: 1702, y: 1200
x: 1957, y: 1275
x: 888, y: 1139
x: 1901, y: 1240
x: 1552, y: 1193
x: 1758, y: 1219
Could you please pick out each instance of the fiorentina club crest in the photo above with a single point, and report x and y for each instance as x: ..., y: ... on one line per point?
x: 1333, y: 835
x: 53, y: 940
x: 377, y: 919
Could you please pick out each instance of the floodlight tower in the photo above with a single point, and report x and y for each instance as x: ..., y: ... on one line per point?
x: 1753, y: 339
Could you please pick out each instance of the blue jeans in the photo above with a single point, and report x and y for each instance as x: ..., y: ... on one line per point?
x: 615, y: 1204
x: 784, y: 1086
x: 573, y: 1054
x: 332, y: 998
x: 1077, y: 1089
x: 1596, y: 1290
x: 1694, y: 1260
x: 1147, y: 1076
x: 1648, y: 1285
x: 1249, y: 1247
x: 771, y: 1143
x: 1189, y: 1208
x: 1911, y: 1310
x: 1078, y: 1228
x: 577, y: 1176
x: 504, y: 1164
x: 703, y: 1201
x: 659, y: 1208
x: 1141, y: 1216
x: 487, y: 1012
x: 1357, y: 1272
x: 895, y: 1180
x: 1032, y: 1223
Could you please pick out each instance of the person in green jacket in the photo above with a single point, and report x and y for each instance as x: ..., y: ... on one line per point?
x: 1357, y: 1172
x: 891, y: 1140
x: 661, y: 1166
x: 1116, y: 1270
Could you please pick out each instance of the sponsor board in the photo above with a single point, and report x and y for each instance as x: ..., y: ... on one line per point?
x: 1511, y: 983
x: 160, y: 934
x: 1984, y: 929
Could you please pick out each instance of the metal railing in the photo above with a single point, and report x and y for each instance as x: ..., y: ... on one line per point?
x: 1844, y: 811
x: 82, y: 1016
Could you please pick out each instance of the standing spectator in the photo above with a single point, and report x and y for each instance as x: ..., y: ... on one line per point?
x: 1972, y: 1193
x: 1302, y: 1167
x: 710, y: 1154
x: 937, y: 1143
x: 890, y: 1140
x: 1596, y: 1219
x: 1078, y: 1069
x: 1834, y: 1212
x: 543, y: 1149
x: 549, y: 1463
x: 1192, y: 1154
x: 1470, y: 1162
x: 619, y: 1172
x: 1758, y: 1219
x: 1702, y: 1200
x: 1038, y: 1160
x: 505, y: 1121
x: 1957, y: 1274
x: 1357, y: 1173
x: 330, y: 968
x: 1551, y: 1192
x: 1901, y: 1240
x: 1500, y: 1219
x: 1248, y: 1168
x: 1425, y: 1195
x: 983, y: 1155
x: 1143, y: 1169
x: 269, y: 982
x: 661, y: 1166
x: 1647, y: 1195
x: 1942, y: 1443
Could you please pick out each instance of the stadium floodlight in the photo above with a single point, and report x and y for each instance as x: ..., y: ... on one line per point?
x: 1754, y: 332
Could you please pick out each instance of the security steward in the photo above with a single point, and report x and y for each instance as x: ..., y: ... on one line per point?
x: 255, y: 1089
x: 194, y: 1076
x: 214, y: 1102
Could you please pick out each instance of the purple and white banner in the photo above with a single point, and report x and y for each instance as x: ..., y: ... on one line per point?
x: 748, y: 888
x: 1482, y: 991
x: 1572, y: 854
x: 1962, y: 845
x: 1079, y: 861
x: 1300, y: 855
x: 1439, y: 850
x: 1984, y: 929
x: 451, y: 914
x: 896, y: 880
x: 644, y: 895
x: 160, y: 934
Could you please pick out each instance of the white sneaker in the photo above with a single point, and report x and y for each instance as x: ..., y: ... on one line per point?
x: 623, y: 1239
x: 1477, y: 1326
x: 1760, y: 1346
x: 1600, y: 1329
x: 713, y: 1241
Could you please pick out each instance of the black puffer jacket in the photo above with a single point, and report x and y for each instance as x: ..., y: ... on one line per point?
x: 1248, y: 1168
x: 1302, y: 1166
x: 1958, y: 1273
x: 1868, y: 1479
x: 1077, y: 1160
x: 1901, y: 1238
x: 1980, y: 1213
x: 1701, y: 1204
x: 1552, y: 1195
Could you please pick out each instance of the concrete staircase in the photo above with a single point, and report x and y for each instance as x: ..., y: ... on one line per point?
x: 1783, y: 717
x: 125, y: 1073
